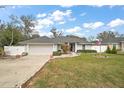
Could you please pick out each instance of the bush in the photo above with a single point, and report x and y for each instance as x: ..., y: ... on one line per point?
x: 57, y: 53
x: 65, y: 47
x: 86, y: 51
x: 114, y: 51
x: 108, y: 50
x: 1, y: 51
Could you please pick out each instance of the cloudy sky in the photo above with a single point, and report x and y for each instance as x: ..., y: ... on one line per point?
x: 76, y: 20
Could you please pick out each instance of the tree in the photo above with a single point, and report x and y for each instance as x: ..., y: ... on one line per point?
x: 121, y: 35
x: 114, y: 51
x: 91, y: 38
x: 108, y: 50
x: 35, y: 36
x: 55, y: 32
x: 2, y: 28
x: 106, y: 35
x: 6, y: 36
x: 19, y: 28
x: 28, y: 25
x: 15, y: 21
x: 2, y: 25
x: 25, y: 24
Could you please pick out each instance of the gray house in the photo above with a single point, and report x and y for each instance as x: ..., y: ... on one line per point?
x: 45, y: 45
x: 118, y: 42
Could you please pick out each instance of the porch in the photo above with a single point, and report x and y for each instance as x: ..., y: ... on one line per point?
x: 72, y: 46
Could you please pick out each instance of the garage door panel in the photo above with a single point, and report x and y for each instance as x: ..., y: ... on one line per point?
x: 42, y: 49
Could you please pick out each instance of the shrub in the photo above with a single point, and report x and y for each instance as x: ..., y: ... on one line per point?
x: 1, y: 51
x: 108, y: 50
x: 114, y: 51
x: 57, y: 53
x: 86, y: 51
x: 65, y: 48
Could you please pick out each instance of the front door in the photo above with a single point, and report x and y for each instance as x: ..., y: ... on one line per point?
x: 72, y: 47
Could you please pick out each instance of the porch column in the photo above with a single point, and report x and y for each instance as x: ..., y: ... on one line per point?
x: 75, y: 47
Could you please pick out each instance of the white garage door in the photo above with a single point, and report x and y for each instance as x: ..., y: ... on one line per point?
x: 40, y: 49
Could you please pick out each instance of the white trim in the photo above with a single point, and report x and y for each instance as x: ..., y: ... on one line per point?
x: 40, y: 43
x: 75, y: 47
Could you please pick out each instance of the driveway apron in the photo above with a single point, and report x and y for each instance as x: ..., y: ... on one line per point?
x: 15, y: 72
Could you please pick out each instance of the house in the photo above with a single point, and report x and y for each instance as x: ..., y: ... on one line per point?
x: 46, y: 46
x: 118, y: 42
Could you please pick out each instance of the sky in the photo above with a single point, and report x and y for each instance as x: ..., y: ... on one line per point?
x: 79, y: 20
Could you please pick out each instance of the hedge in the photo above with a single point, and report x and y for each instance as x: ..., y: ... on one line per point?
x: 113, y: 51
x: 86, y: 51
x: 1, y: 51
x: 57, y: 53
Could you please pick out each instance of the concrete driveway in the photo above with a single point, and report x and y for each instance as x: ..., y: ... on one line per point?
x: 14, y: 72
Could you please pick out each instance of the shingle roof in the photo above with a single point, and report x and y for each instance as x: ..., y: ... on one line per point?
x: 57, y: 40
x: 43, y: 39
x: 69, y: 39
x: 64, y: 39
x: 113, y: 40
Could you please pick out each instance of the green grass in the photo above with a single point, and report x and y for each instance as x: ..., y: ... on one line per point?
x: 85, y: 70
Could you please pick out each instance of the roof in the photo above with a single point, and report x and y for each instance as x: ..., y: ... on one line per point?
x: 70, y: 39
x: 64, y: 39
x: 43, y: 39
x: 57, y: 40
x: 113, y: 40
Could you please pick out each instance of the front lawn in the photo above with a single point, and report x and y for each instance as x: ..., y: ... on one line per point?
x: 85, y: 70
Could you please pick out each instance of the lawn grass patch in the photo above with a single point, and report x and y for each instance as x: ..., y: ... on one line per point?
x: 82, y: 71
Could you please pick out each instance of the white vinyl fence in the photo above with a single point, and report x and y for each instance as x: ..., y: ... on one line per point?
x: 14, y: 50
x: 101, y: 48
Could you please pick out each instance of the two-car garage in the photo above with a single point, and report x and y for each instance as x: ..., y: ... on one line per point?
x: 37, y: 46
x: 40, y: 49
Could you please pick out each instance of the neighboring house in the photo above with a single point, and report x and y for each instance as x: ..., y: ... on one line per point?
x: 46, y: 46
x: 118, y: 42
